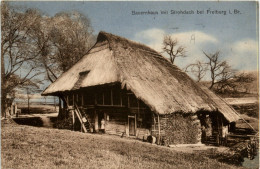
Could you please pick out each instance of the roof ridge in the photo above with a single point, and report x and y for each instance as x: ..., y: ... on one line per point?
x: 115, y: 38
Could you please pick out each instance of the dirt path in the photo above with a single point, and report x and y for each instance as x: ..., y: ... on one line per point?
x: 246, y: 100
x: 44, y: 117
x: 191, y: 148
x: 46, y: 122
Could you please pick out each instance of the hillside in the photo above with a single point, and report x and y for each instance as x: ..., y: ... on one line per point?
x: 32, y: 147
x: 245, y: 88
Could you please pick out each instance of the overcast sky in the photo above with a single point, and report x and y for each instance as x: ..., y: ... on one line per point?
x: 235, y: 35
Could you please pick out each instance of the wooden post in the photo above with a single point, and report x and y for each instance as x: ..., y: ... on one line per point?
x: 135, y: 125
x: 127, y: 127
x: 82, y: 101
x: 73, y: 99
x: 68, y: 100
x: 154, y: 122
x: 221, y: 130
x: 159, y: 129
x: 111, y: 96
x: 59, y: 105
x: 73, y: 120
x: 103, y: 98
x: 121, y: 102
x: 128, y: 124
x: 96, y: 121
x: 217, y: 129
x: 95, y: 98
x: 15, y: 109
x: 12, y: 110
x: 54, y: 102
x: 138, y: 109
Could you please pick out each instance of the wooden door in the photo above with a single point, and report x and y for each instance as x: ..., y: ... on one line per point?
x: 100, y: 117
x: 131, y: 126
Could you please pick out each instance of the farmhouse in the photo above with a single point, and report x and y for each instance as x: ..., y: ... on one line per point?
x: 126, y: 88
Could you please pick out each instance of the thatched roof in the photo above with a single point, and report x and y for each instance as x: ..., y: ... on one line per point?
x: 150, y: 76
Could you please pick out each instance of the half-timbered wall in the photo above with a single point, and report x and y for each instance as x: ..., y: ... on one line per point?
x: 120, y: 109
x: 124, y: 114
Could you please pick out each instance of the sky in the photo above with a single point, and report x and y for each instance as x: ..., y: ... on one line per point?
x: 230, y: 27
x: 234, y: 35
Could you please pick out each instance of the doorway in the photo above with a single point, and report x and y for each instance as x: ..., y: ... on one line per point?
x: 132, y: 125
x: 100, y: 117
x: 101, y: 121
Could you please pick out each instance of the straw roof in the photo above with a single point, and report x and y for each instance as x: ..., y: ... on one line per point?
x: 150, y: 76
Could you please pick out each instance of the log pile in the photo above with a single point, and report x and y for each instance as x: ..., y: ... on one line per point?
x: 180, y: 129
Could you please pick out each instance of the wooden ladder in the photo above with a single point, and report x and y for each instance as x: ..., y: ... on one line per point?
x: 85, y: 125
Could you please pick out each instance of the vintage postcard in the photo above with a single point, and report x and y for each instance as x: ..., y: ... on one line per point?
x: 128, y: 84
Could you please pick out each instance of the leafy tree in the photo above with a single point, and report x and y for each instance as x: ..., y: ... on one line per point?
x: 72, y: 37
x: 16, y: 51
x: 61, y: 41
x: 33, y: 45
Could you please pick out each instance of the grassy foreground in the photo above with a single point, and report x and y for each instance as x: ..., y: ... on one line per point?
x: 33, y: 147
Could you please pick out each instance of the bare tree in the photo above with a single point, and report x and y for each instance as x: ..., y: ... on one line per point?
x: 16, y: 51
x: 220, y: 71
x: 226, y: 81
x: 198, y: 69
x: 172, y: 48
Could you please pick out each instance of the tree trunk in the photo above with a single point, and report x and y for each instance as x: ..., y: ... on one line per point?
x: 3, y: 93
x: 3, y: 103
x: 212, y: 84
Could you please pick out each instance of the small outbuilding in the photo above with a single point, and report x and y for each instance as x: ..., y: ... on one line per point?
x: 126, y: 88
